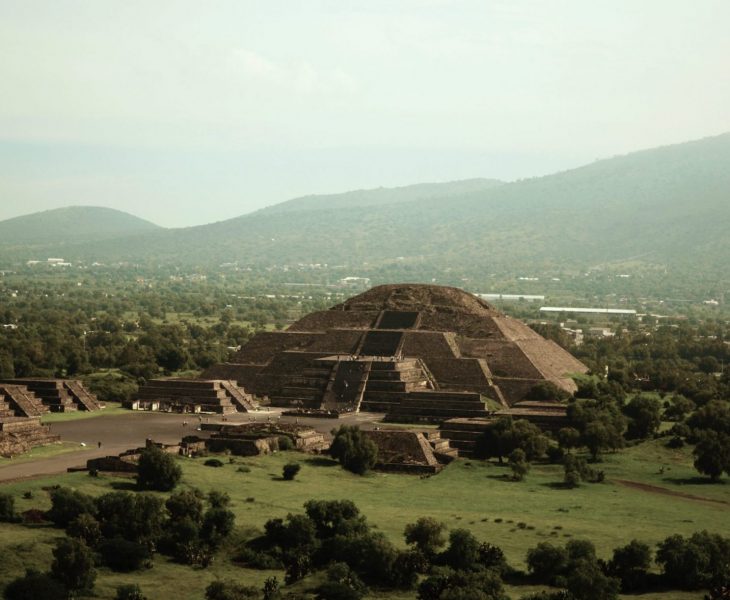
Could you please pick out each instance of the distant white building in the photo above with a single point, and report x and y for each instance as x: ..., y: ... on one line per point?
x: 588, y: 311
x: 355, y: 282
x: 512, y: 297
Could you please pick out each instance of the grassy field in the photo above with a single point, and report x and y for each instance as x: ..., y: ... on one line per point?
x: 112, y: 409
x: 468, y: 494
x: 46, y: 451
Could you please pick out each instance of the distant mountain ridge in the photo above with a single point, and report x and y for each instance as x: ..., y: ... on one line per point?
x: 71, y: 224
x: 668, y: 205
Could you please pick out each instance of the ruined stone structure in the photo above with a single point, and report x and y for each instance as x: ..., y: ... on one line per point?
x: 463, y: 433
x: 417, y: 352
x: 192, y: 396
x: 411, y: 451
x: 60, y: 395
x: 20, y: 421
x: 252, y: 439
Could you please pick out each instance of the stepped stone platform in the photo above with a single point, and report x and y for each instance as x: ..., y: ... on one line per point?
x: 462, y: 433
x: 418, y: 352
x: 59, y: 395
x: 192, y: 396
x: 20, y: 421
x: 411, y: 451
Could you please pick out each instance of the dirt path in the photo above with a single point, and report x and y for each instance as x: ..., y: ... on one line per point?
x: 655, y: 489
x: 121, y: 432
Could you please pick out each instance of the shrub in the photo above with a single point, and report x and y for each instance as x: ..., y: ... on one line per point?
x: 285, y: 443
x: 518, y: 464
x: 157, y: 470
x: 354, y: 451
x: 213, y: 462
x: 290, y: 470
x: 7, y: 508
x: 230, y: 590
x: 123, y: 555
x: 35, y: 586
x: 129, y: 592
x: 73, y: 565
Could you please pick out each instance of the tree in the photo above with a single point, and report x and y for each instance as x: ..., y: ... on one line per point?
x: 217, y: 525
x: 546, y: 562
x: 290, y: 470
x: 34, y: 586
x: 715, y: 416
x: 587, y: 581
x: 700, y: 561
x: 342, y: 584
x: 463, y: 551
x: 518, y: 464
x: 712, y: 454
x: 185, y: 504
x: 157, y: 470
x: 73, y: 564
x: 506, y: 435
x: 7, y: 508
x: 631, y: 564
x: 426, y: 534
x: 86, y: 528
x: 644, y: 414
x: 353, y: 449
x: 335, y: 517
x: 68, y: 504
x: 569, y: 437
x: 135, y: 517
x: 679, y: 407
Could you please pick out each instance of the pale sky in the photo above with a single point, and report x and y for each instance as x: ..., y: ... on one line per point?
x: 186, y: 112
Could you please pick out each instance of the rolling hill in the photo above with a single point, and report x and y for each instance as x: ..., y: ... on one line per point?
x: 665, y: 206
x: 72, y: 224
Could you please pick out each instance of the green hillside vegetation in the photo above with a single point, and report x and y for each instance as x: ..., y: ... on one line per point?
x: 514, y: 516
x: 666, y: 206
x: 71, y: 224
x: 419, y: 192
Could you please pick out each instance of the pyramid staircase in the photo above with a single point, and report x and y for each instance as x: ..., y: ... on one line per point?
x: 242, y: 401
x: 59, y: 395
x: 190, y: 396
x: 20, y: 421
x: 81, y: 396
x: 391, y: 380
x: 306, y: 390
x: 346, y: 386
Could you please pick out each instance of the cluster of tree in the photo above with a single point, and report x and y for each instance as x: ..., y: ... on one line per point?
x: 334, y: 537
x: 701, y: 561
x: 122, y: 531
x: 709, y: 429
x: 71, y: 325
x: 686, y: 359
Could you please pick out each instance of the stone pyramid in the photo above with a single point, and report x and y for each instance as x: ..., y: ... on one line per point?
x: 400, y: 345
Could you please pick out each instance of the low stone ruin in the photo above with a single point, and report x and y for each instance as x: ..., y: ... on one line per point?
x: 126, y: 462
x: 253, y: 439
x: 20, y: 421
x: 411, y: 451
x: 192, y: 396
x: 59, y: 395
x: 463, y: 433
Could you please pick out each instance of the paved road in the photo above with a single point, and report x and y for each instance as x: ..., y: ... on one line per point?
x: 121, y: 432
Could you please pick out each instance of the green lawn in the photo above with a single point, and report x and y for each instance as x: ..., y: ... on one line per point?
x: 467, y: 494
x: 112, y: 409
x: 46, y: 451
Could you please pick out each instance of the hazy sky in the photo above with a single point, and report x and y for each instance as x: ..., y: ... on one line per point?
x: 190, y: 112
